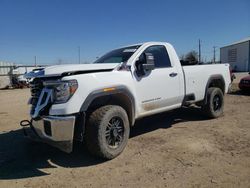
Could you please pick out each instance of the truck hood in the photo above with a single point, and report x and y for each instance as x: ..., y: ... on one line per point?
x: 69, y: 69
x: 60, y: 69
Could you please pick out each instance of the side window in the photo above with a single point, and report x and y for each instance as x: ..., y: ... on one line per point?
x: 160, y: 55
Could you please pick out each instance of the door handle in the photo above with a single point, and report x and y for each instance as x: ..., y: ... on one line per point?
x: 173, y: 74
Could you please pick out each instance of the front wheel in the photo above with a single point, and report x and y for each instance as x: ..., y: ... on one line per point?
x: 107, y: 131
x: 214, y: 104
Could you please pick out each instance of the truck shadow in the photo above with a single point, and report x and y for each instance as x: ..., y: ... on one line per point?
x: 166, y: 120
x: 239, y: 92
x: 21, y: 158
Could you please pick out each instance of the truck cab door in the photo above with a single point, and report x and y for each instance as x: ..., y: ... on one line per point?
x: 158, y: 88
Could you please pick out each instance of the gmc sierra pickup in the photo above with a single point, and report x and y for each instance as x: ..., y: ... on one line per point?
x: 98, y: 103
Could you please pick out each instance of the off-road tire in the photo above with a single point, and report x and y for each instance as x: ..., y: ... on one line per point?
x: 96, y: 130
x: 214, y: 103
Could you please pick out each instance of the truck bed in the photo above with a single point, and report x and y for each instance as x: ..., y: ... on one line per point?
x: 197, y: 76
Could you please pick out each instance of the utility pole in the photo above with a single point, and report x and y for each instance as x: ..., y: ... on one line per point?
x: 79, y: 54
x: 35, y: 61
x: 214, y: 53
x: 199, y: 50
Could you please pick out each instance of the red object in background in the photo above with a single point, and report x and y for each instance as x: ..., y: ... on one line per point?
x: 245, y: 83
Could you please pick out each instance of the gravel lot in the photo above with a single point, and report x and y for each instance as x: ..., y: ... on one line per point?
x: 175, y: 149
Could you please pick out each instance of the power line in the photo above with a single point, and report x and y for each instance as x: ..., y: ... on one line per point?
x: 214, y: 53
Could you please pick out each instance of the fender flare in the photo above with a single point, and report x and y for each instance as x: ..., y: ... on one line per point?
x: 210, y: 80
x: 115, y: 90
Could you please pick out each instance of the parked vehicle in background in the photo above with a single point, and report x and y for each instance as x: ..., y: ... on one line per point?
x: 18, y: 81
x: 29, y: 76
x: 13, y: 76
x: 100, y: 102
x: 244, y: 84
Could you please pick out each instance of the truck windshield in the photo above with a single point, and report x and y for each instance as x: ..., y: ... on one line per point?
x: 118, y: 55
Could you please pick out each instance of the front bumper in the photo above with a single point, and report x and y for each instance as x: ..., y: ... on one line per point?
x: 57, y: 131
x: 244, y: 86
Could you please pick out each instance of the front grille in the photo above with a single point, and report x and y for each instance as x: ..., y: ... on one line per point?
x: 245, y: 81
x: 36, y: 87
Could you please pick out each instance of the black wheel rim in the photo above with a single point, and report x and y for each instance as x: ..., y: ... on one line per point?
x: 114, y: 132
x: 217, y: 103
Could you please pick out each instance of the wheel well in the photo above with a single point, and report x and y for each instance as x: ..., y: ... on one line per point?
x: 119, y: 99
x: 217, y: 82
x: 214, y: 81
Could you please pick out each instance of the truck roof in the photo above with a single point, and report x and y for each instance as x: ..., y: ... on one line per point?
x: 148, y: 43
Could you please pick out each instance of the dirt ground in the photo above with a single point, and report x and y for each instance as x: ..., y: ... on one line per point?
x: 175, y: 149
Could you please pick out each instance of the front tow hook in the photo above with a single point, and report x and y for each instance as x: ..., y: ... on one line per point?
x: 25, y: 123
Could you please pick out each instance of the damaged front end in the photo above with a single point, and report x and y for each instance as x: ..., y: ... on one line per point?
x: 57, y: 131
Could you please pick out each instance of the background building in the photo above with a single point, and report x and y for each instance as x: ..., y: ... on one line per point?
x: 237, y: 55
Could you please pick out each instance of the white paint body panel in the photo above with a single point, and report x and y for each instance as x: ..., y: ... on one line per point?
x: 169, y: 91
x: 58, y: 69
x: 88, y: 83
x: 197, y: 77
x: 154, y: 93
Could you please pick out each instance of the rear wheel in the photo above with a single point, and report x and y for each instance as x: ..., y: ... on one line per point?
x: 107, y: 131
x: 214, y: 103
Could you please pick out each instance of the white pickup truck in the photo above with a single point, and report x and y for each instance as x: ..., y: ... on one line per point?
x: 98, y: 103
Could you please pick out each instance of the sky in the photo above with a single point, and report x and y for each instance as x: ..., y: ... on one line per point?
x: 53, y: 30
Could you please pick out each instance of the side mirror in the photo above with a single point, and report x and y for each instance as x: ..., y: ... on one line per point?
x: 145, y: 63
x: 150, y: 62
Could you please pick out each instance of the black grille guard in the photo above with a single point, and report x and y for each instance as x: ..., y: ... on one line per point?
x: 45, y: 98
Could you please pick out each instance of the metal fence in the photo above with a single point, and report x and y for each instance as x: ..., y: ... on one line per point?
x: 5, y: 68
x: 10, y: 70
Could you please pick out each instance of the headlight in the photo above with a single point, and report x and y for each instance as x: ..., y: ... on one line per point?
x: 63, y: 90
